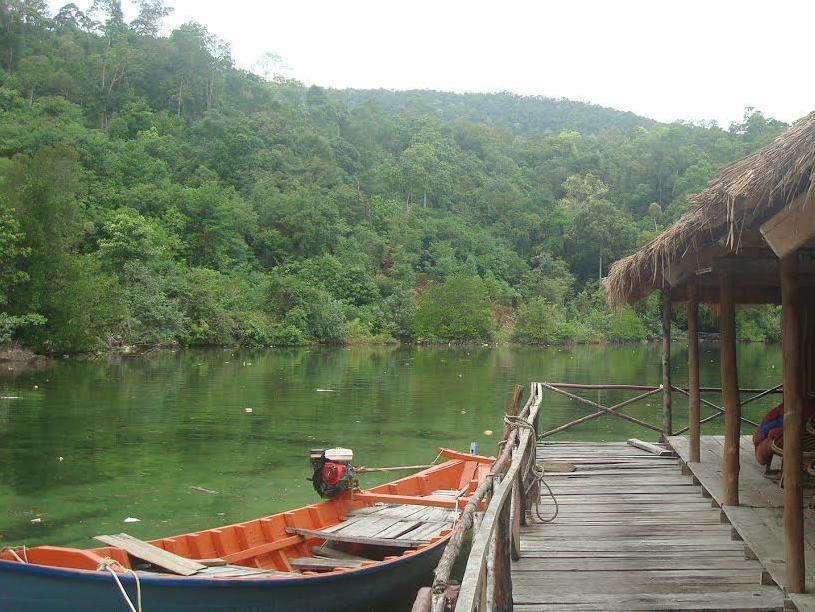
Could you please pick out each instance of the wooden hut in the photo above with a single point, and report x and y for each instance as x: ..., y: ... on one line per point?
x: 748, y: 238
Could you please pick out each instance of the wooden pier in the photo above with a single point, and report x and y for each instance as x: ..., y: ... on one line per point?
x: 619, y: 525
x: 633, y: 532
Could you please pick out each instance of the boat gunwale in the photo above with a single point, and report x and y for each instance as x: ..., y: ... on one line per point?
x: 284, y: 578
x: 157, y: 579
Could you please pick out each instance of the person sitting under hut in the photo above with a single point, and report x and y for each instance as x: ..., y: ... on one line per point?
x: 771, y: 428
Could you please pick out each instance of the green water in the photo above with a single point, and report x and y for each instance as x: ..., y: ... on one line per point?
x: 87, y: 444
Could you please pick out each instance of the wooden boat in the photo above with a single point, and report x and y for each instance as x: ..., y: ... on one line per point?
x: 348, y: 553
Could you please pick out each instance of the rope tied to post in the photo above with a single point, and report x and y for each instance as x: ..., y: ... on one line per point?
x: 107, y: 565
x: 533, y: 469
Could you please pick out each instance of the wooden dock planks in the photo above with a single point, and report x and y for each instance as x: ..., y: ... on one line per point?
x: 759, y: 518
x: 632, y: 533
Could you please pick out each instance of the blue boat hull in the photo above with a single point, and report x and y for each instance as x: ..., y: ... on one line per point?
x: 34, y: 588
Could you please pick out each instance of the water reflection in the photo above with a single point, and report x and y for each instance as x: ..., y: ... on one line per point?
x: 90, y: 443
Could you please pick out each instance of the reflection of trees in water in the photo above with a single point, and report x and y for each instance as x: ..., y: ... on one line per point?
x: 145, y: 430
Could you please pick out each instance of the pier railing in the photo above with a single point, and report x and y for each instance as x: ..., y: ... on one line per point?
x: 512, y: 485
x: 496, y: 539
x: 645, y: 392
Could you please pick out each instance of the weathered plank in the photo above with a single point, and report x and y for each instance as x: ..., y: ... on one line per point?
x: 152, y: 554
x: 633, y: 532
x: 337, y: 537
x: 321, y: 564
x: 760, y: 598
x: 584, y: 564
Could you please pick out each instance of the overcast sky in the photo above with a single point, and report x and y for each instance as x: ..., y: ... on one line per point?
x: 666, y: 59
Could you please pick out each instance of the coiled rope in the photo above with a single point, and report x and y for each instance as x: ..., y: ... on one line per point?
x: 532, y: 467
x: 107, y: 564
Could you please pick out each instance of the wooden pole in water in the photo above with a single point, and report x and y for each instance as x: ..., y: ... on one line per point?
x: 793, y: 425
x: 730, y: 391
x: 694, y: 396
x: 667, y: 424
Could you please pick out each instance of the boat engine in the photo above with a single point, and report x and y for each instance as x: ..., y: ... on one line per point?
x: 333, y: 472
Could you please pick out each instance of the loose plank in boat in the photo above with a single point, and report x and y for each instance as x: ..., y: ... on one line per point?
x: 335, y: 537
x: 152, y: 554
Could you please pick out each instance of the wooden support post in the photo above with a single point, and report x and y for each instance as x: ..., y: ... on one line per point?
x: 693, y: 375
x: 793, y: 424
x: 518, y: 514
x: 730, y: 391
x: 502, y: 571
x: 667, y: 424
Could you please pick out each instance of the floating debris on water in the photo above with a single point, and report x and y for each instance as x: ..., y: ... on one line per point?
x: 325, y: 390
x: 248, y: 410
x: 132, y: 519
x: 204, y: 490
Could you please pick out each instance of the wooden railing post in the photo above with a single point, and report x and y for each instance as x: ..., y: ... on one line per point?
x: 667, y: 406
x: 518, y: 514
x: 730, y: 391
x: 694, y: 414
x: 793, y: 425
x: 502, y: 572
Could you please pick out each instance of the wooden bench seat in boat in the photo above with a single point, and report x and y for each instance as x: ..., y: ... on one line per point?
x: 395, y: 525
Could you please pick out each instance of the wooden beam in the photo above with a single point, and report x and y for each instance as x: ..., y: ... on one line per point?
x: 338, y: 537
x: 152, y: 554
x: 792, y: 226
x: 730, y: 391
x: 680, y: 272
x: 261, y: 549
x: 709, y: 294
x: 436, y: 502
x: 667, y: 405
x: 694, y: 414
x: 793, y: 425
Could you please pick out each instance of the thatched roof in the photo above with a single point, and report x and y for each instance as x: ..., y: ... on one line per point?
x: 744, y: 192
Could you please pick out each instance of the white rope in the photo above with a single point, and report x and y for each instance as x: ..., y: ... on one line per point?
x: 107, y: 564
x: 533, y: 468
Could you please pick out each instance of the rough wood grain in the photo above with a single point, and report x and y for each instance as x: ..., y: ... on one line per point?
x: 694, y: 397
x: 791, y: 314
x: 636, y: 539
x: 152, y: 554
x: 730, y: 391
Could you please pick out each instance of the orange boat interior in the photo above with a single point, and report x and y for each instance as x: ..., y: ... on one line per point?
x: 343, y: 534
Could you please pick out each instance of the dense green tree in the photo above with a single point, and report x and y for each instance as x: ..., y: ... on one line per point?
x: 151, y: 192
x: 455, y: 310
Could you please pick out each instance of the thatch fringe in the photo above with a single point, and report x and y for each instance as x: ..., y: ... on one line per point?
x: 772, y: 177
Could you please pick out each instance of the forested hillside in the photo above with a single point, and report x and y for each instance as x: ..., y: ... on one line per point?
x: 150, y: 192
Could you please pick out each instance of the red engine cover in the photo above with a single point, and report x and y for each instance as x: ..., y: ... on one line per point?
x: 332, y: 472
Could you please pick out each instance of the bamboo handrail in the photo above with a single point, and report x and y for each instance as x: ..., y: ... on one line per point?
x: 618, y: 387
x: 649, y: 390
x: 601, y: 407
x: 719, y: 409
x: 445, y: 566
x: 599, y: 413
x: 497, y: 516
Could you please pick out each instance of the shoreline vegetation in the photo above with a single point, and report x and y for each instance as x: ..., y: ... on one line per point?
x: 153, y: 194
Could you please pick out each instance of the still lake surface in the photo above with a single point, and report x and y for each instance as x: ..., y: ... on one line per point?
x: 86, y: 444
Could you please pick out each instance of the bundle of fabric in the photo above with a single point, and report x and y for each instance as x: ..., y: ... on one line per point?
x: 771, y: 428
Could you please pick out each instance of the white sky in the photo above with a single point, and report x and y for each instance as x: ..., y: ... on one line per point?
x: 666, y: 59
